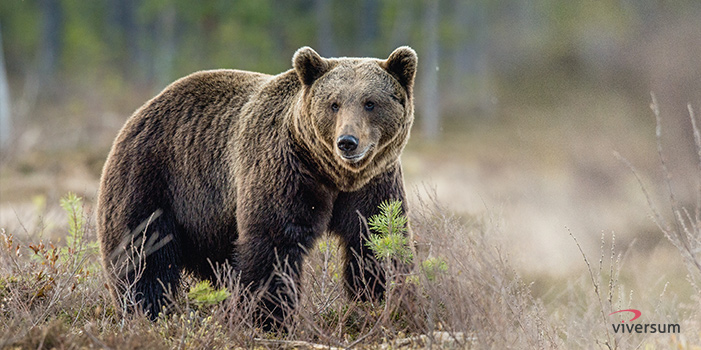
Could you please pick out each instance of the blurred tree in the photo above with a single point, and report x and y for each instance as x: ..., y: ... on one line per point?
x: 430, y: 111
x: 5, y: 117
x: 325, y: 37
x: 470, y: 72
x: 166, y: 45
x: 368, y: 26
x: 51, y: 42
x: 277, y: 25
x: 123, y: 33
x: 402, y: 23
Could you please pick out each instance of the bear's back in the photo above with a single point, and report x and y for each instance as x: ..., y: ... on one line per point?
x: 173, y: 150
x: 188, y: 106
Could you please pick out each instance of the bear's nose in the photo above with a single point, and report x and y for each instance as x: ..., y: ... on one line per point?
x: 347, y: 143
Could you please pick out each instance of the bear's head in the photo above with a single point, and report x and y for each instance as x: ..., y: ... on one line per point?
x: 360, y: 109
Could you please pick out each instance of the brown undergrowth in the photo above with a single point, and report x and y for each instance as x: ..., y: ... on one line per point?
x: 459, y: 290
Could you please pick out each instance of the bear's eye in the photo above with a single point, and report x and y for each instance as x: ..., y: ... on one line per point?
x: 334, y: 107
x: 369, y: 106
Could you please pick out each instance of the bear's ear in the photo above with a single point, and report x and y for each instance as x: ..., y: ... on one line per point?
x: 402, y: 65
x: 309, y: 65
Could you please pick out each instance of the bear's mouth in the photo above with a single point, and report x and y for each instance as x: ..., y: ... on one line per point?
x: 355, y: 157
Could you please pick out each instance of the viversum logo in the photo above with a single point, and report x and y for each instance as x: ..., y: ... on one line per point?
x: 643, y: 328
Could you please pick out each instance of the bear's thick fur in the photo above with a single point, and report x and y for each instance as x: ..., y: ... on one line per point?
x: 249, y: 168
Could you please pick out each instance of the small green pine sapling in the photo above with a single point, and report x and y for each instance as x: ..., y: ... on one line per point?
x: 73, y: 206
x: 203, y: 294
x: 76, y: 247
x: 389, y: 240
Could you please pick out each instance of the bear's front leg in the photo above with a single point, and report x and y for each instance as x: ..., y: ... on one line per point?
x: 270, y: 265
x: 276, y: 228
x: 364, y: 275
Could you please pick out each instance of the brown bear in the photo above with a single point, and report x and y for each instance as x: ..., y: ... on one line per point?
x: 247, y: 168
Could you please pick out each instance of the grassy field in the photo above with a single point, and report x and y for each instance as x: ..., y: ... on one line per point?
x: 463, y: 292
x: 530, y: 234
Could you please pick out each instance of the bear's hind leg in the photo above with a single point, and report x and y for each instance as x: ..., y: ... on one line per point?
x: 273, y: 268
x: 153, y: 267
x: 159, y: 282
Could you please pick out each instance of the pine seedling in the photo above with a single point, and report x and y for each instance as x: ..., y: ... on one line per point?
x: 389, y: 240
x: 76, y: 246
x: 203, y: 294
x: 73, y: 206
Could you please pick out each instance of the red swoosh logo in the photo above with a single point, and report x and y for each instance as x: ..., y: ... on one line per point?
x: 634, y: 311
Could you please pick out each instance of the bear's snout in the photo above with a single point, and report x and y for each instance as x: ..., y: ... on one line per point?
x: 349, y: 148
x: 347, y: 143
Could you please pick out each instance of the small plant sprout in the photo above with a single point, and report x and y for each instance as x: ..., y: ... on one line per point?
x: 76, y: 244
x: 432, y: 267
x: 203, y: 294
x: 389, y: 241
x: 73, y: 206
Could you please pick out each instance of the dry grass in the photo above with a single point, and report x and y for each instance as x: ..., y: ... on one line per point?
x: 684, y: 229
x: 659, y: 306
x: 461, y: 291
